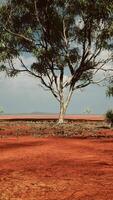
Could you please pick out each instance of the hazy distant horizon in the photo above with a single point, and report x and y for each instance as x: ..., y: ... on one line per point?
x: 44, y: 113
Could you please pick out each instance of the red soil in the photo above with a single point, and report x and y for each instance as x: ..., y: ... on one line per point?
x: 56, y: 169
x: 73, y: 117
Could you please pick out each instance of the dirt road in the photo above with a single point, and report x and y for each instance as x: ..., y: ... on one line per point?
x: 56, y: 169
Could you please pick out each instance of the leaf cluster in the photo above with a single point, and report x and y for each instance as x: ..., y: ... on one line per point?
x: 60, y: 34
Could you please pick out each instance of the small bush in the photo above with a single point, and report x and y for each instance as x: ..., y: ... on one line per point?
x: 109, y: 117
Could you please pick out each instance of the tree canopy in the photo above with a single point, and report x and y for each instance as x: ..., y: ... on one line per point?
x: 66, y: 38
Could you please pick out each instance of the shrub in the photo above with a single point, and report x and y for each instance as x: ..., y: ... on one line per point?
x: 109, y: 117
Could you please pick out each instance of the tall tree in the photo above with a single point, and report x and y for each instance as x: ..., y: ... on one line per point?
x: 65, y: 37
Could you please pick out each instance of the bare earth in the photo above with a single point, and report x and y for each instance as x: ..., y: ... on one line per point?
x: 73, y: 117
x: 55, y: 168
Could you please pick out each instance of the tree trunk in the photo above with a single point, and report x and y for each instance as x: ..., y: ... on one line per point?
x: 63, y: 107
x: 62, y: 113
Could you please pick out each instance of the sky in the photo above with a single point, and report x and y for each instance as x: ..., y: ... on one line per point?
x: 24, y: 95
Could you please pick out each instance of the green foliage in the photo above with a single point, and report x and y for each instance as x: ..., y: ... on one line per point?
x: 86, y: 22
x: 12, y: 73
x: 39, y: 68
x: 2, y: 68
x: 109, y: 91
x: 64, y: 37
x: 109, y: 117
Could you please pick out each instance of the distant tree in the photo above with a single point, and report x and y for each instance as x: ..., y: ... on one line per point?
x: 109, y: 117
x: 65, y: 37
x: 87, y: 110
x: 1, y: 110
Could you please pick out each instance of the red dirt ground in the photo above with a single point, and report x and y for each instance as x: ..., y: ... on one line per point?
x: 56, y: 169
x: 72, y: 117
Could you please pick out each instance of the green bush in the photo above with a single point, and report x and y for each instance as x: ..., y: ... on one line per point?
x: 109, y: 117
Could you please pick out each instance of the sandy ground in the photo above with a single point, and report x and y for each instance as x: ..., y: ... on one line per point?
x: 56, y: 169
x: 73, y: 117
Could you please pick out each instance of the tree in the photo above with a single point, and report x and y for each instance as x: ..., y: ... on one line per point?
x: 109, y: 117
x: 65, y: 37
x: 1, y: 110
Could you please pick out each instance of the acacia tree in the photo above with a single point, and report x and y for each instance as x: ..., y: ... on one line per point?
x: 65, y: 37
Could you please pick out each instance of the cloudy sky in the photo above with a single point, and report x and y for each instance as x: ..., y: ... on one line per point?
x: 23, y: 95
